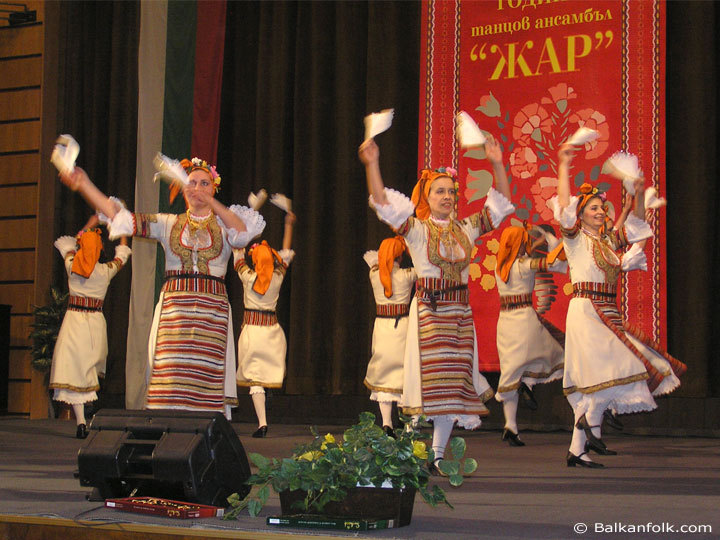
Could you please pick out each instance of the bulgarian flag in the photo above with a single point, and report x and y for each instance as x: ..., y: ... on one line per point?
x: 180, y: 68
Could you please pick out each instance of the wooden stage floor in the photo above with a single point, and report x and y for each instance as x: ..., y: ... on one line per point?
x: 653, y: 484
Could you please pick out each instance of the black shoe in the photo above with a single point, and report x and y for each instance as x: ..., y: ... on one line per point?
x: 513, y: 439
x: 596, y: 444
x: 389, y: 431
x: 260, y: 433
x: 573, y: 460
x: 527, y: 397
x: 81, y: 432
x: 602, y: 450
x: 434, y: 469
x: 612, y: 420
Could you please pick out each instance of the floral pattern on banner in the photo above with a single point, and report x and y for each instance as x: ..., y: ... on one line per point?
x: 530, y: 144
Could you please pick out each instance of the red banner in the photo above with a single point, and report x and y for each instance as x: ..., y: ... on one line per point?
x: 531, y: 72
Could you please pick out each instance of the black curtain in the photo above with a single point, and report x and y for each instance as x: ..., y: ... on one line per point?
x: 693, y: 245
x: 97, y: 104
x: 298, y: 79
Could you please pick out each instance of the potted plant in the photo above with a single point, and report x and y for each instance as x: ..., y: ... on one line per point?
x: 337, y: 477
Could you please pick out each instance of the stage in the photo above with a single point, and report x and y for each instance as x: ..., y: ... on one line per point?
x: 655, y: 482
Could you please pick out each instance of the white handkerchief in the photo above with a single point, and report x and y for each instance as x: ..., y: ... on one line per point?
x: 624, y: 166
x: 376, y: 123
x: 468, y: 133
x: 256, y: 201
x: 65, y: 153
x: 652, y: 201
x: 281, y: 201
x: 169, y: 170
x: 582, y: 136
x: 371, y: 258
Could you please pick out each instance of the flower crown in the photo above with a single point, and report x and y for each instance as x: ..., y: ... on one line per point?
x: 196, y: 163
x: 447, y: 170
x: 591, y: 191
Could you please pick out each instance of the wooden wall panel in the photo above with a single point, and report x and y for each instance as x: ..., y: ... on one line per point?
x: 18, y: 201
x: 19, y: 296
x: 20, y: 330
x: 20, y: 104
x: 19, y: 396
x: 20, y: 367
x: 20, y: 137
x: 21, y: 40
x: 20, y: 72
x: 17, y: 233
x: 17, y: 266
x: 20, y: 169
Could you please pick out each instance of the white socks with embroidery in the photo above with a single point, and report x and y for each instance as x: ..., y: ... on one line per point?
x: 441, y: 435
x: 510, y: 407
x: 257, y: 393
x: 79, y: 410
x: 386, y: 412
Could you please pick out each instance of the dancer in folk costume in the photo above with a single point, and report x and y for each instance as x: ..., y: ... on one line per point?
x: 191, y: 350
x: 441, y: 376
x: 81, y: 348
x: 262, y: 345
x: 392, y: 288
x: 530, y: 348
x: 608, y: 363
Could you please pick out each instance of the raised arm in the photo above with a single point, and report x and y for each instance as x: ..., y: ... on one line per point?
x: 229, y: 218
x: 640, y: 198
x: 565, y: 157
x: 494, y: 155
x: 369, y: 155
x: 620, y: 221
x: 79, y: 181
x: 287, y: 236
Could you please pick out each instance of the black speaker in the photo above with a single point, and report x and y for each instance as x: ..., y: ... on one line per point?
x: 185, y: 456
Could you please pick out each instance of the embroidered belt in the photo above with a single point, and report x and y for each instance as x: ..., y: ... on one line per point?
x: 390, y: 311
x: 80, y: 303
x: 606, y: 292
x: 258, y: 317
x: 436, y: 289
x: 515, y: 301
x: 177, y: 280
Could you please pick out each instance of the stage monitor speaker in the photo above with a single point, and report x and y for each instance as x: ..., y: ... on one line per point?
x: 179, y: 455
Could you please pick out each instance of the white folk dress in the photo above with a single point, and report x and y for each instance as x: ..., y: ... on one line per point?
x: 528, y: 351
x: 81, y: 348
x: 608, y: 363
x: 441, y: 375
x: 191, y: 350
x: 384, y: 376
x: 262, y: 345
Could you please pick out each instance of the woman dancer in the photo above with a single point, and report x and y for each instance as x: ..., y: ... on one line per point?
x: 607, y: 363
x: 529, y: 352
x: 262, y: 345
x: 81, y: 348
x: 392, y: 288
x: 191, y: 357
x: 441, y: 377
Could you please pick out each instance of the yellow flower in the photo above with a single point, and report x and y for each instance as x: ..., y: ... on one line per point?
x: 420, y: 450
x: 328, y: 439
x: 310, y: 455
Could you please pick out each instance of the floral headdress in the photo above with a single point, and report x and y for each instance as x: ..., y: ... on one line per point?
x: 587, y: 192
x: 422, y: 188
x: 196, y: 163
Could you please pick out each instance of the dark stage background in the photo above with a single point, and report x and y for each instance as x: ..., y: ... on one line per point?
x: 298, y: 79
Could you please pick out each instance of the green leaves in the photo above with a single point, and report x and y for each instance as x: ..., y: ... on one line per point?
x: 325, y: 468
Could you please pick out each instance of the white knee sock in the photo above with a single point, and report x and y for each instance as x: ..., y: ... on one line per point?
x: 441, y: 435
x: 510, y: 407
x: 386, y: 412
x: 577, y: 444
x: 257, y: 393
x: 79, y: 410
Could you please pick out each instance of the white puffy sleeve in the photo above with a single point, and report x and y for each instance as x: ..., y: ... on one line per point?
x: 497, y: 207
x: 287, y: 255
x: 123, y: 224
x: 636, y: 229
x: 634, y: 259
x: 566, y: 217
x: 254, y: 225
x: 397, y: 211
x: 65, y: 245
x: 371, y: 258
